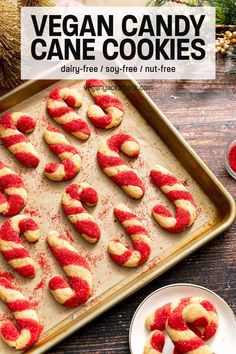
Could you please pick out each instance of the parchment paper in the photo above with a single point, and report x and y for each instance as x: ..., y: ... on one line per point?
x: 45, y: 207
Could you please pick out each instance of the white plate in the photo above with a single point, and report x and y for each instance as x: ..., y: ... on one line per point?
x: 224, y: 340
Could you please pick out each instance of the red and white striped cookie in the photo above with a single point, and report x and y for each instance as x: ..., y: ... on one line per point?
x: 68, y: 118
x: 72, y: 200
x: 11, y: 245
x: 13, y: 193
x: 154, y: 343
x: 77, y: 270
x: 186, y: 211
x: 27, y: 329
x: 104, y: 101
x: 190, y: 322
x: 199, y: 315
x: 69, y: 155
x: 158, y: 318
x: 11, y: 126
x: 123, y: 254
x: 116, y: 168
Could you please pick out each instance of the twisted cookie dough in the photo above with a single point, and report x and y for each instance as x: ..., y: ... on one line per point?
x: 154, y: 343
x: 104, y: 101
x: 28, y: 328
x: 72, y: 200
x: 11, y: 245
x: 123, y: 254
x: 65, y: 116
x: 13, y: 193
x: 176, y: 192
x: 69, y: 155
x: 196, y: 314
x: 189, y: 322
x: 76, y: 269
x: 116, y: 168
x: 11, y: 126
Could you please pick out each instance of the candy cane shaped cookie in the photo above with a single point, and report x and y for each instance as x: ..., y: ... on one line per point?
x: 76, y: 269
x: 11, y: 245
x: 199, y: 314
x: 66, y: 116
x: 69, y: 155
x: 154, y: 343
x: 123, y: 254
x: 176, y: 192
x: 116, y: 168
x: 27, y: 330
x: 200, y: 322
x: 157, y: 319
x: 13, y: 194
x: 105, y: 101
x: 11, y: 126
x: 72, y: 200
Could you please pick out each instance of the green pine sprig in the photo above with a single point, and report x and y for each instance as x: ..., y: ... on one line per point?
x: 225, y: 11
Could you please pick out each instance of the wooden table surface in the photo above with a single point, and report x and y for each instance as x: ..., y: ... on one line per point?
x: 205, y: 114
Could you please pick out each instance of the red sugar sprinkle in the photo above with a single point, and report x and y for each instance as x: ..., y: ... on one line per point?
x: 42, y: 260
x: 40, y: 285
x: 45, y: 120
x: 55, y: 217
x: 141, y: 163
x: 94, y: 259
x: 35, y: 304
x: 106, y: 200
x: 31, y: 212
x: 232, y: 158
x: 103, y: 213
x: 67, y: 236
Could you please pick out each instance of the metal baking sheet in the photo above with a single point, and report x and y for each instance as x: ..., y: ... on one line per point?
x: 160, y: 143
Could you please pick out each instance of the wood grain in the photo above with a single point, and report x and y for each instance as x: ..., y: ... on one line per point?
x: 204, y: 113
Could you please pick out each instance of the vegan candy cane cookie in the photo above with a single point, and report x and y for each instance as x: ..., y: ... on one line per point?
x: 76, y: 269
x: 11, y: 126
x: 158, y: 318
x: 123, y: 254
x: 154, y: 343
x: 198, y: 315
x: 27, y: 329
x: 11, y: 245
x: 104, y: 101
x: 72, y: 200
x: 68, y: 118
x: 69, y: 155
x: 189, y: 322
x: 13, y: 194
x: 116, y: 168
x: 176, y: 192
